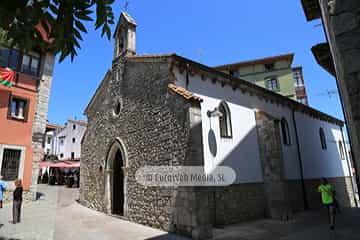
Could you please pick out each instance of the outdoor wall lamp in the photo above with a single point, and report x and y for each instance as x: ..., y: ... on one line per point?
x: 214, y: 113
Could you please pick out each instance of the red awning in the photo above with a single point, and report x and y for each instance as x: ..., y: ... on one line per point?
x: 62, y: 164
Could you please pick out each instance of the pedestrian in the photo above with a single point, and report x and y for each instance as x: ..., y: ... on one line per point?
x: 17, y: 201
x: 77, y: 174
x: 2, y: 190
x: 327, y: 197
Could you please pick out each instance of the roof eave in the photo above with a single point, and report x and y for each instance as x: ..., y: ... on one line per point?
x: 311, y: 9
x: 287, y: 57
x: 272, y: 95
x: 92, y: 100
x: 324, y: 58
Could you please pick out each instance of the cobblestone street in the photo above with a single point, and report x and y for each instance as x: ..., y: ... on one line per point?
x: 57, y: 216
x: 306, y: 226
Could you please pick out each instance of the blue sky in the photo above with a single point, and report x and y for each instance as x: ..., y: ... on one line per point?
x: 222, y: 31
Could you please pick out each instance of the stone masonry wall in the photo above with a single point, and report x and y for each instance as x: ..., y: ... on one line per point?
x: 40, y: 120
x: 192, y: 209
x: 271, y: 156
x: 237, y: 203
x: 296, y: 195
x: 154, y: 127
x: 342, y: 24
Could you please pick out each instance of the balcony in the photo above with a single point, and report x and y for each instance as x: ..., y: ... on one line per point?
x: 26, y: 65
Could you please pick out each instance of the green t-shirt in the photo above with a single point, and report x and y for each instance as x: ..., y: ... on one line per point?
x: 326, y: 193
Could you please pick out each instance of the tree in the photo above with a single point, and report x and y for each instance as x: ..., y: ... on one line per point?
x: 52, y: 25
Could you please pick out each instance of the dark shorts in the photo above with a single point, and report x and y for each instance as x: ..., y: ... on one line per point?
x: 328, y: 205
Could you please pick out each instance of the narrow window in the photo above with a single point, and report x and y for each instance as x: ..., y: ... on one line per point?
x: 322, y: 138
x: 72, y: 155
x: 10, y: 164
x: 48, y: 140
x: 225, y: 121
x: 285, y: 132
x: 61, y: 155
x: 18, y: 108
x: 74, y: 127
x: 117, y: 109
x: 341, y: 150
x: 272, y: 84
x: 73, y: 140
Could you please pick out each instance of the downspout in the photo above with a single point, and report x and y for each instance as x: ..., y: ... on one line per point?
x: 306, y: 205
x: 348, y: 163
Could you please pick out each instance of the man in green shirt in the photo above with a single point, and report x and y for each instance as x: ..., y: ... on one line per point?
x: 327, y: 197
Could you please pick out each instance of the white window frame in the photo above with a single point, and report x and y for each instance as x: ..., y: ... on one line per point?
x: 273, y: 79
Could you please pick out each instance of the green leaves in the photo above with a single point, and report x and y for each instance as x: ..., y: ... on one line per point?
x: 52, y: 25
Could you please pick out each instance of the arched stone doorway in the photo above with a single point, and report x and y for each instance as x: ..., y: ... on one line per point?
x: 115, y: 180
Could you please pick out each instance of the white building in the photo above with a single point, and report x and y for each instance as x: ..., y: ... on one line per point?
x: 49, y: 142
x: 65, y: 142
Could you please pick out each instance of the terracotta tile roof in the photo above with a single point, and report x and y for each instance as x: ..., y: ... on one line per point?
x: 53, y: 126
x: 183, y: 92
x: 272, y: 59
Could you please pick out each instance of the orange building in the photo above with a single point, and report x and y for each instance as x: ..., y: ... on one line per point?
x: 23, y: 113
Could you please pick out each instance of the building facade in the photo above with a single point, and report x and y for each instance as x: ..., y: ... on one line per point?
x: 65, y: 142
x: 340, y: 56
x: 274, y: 73
x: 159, y: 110
x: 23, y: 113
x: 50, y: 141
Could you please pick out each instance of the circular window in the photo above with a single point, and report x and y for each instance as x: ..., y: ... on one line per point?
x: 117, y: 109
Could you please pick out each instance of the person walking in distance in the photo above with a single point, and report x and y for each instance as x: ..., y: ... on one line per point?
x: 327, y: 197
x: 17, y: 201
x: 2, y: 190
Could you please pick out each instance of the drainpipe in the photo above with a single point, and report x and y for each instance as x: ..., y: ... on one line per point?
x: 348, y: 163
x: 306, y: 205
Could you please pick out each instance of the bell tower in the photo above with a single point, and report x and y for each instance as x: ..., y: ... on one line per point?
x: 125, y: 36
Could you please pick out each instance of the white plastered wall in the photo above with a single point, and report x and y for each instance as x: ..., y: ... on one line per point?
x: 241, y: 151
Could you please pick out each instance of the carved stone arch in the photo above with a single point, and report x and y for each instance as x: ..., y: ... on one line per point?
x: 115, y: 145
x: 115, y: 197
